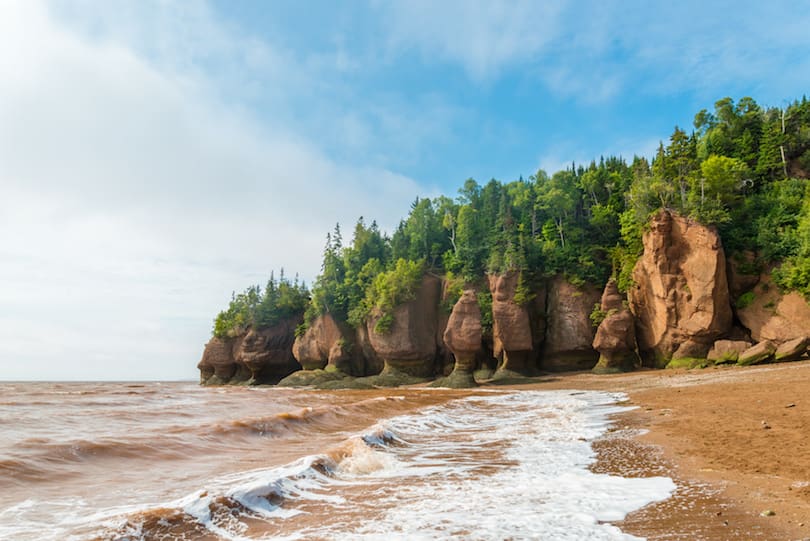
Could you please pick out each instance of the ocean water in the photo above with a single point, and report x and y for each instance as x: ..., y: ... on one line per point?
x: 177, y: 461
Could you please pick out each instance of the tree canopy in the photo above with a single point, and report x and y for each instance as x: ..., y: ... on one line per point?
x: 743, y: 168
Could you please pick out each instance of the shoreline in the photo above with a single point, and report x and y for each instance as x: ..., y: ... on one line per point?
x: 734, y: 440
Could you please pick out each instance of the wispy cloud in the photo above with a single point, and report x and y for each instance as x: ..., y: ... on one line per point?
x: 483, y: 37
x: 595, y: 52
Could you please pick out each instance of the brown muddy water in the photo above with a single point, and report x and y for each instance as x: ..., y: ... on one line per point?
x: 178, y: 461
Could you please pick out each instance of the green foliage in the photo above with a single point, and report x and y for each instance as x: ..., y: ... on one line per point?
x: 384, y: 323
x: 523, y: 293
x: 393, y: 288
x: 597, y: 315
x: 744, y: 169
x: 257, y: 307
x: 745, y: 299
x: 454, y: 288
x: 485, y: 304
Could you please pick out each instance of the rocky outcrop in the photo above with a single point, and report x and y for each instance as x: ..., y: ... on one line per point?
x: 771, y: 315
x: 258, y: 356
x: 727, y: 351
x: 463, y: 338
x: 408, y: 347
x: 615, y: 338
x: 569, y: 332
x: 267, y: 352
x: 511, y: 326
x: 217, y: 366
x: 327, y: 343
x: 680, y: 297
x: 792, y: 350
x: 757, y: 354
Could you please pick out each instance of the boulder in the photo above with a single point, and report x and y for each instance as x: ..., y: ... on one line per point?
x: 757, y: 354
x: 680, y: 298
x: 771, y: 315
x: 326, y: 342
x: 615, y: 338
x: 408, y: 347
x: 267, y: 352
x: 463, y: 338
x: 791, y: 350
x: 511, y: 326
x: 569, y: 329
x: 727, y: 351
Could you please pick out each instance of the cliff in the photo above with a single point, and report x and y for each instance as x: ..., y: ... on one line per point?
x: 687, y: 306
x: 262, y: 355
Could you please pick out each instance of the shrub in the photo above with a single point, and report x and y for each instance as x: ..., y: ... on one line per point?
x: 393, y: 288
x: 745, y: 299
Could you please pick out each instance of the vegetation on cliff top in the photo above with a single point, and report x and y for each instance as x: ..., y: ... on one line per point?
x: 743, y: 168
x: 280, y: 299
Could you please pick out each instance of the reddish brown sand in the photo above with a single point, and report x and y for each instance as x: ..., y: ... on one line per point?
x: 735, y: 440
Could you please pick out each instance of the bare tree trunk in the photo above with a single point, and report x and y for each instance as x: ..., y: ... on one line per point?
x: 702, y: 193
x: 782, y: 146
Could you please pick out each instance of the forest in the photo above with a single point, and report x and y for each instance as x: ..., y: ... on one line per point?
x: 741, y: 167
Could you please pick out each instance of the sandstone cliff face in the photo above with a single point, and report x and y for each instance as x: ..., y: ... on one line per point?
x: 463, y: 333
x: 217, y: 366
x: 511, y: 325
x: 267, y: 352
x: 259, y: 356
x: 615, y: 338
x: 327, y: 342
x: 372, y: 363
x: 773, y: 316
x: 409, y: 346
x: 569, y: 331
x: 680, y: 298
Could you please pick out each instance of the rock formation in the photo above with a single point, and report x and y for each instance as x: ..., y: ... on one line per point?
x: 511, y: 326
x: 757, y: 354
x: 569, y: 332
x: 792, y: 350
x: 727, y: 351
x: 771, y: 315
x: 680, y: 297
x: 616, y: 336
x: 217, y: 366
x: 408, y: 348
x: 267, y: 352
x: 258, y: 356
x: 327, y: 343
x: 463, y: 338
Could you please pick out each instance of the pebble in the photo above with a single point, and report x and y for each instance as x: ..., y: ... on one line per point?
x: 767, y: 513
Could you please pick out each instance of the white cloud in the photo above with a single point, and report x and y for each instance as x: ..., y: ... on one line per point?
x: 134, y: 198
x: 484, y: 37
x: 670, y: 48
x: 595, y: 52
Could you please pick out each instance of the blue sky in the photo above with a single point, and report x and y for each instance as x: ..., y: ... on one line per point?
x: 155, y: 156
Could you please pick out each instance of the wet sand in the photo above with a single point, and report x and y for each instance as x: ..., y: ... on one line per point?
x: 736, y: 440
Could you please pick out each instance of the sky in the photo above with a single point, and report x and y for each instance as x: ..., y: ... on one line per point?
x: 157, y: 155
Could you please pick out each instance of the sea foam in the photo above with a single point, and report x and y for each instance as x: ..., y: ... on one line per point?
x: 496, y: 465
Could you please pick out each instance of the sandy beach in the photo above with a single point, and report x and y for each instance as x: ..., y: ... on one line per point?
x: 736, y: 441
